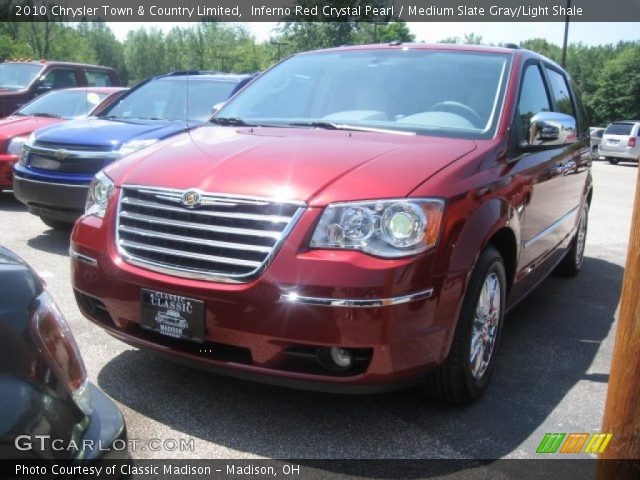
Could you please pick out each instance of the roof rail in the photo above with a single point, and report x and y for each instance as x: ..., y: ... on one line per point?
x: 513, y: 46
x: 192, y: 72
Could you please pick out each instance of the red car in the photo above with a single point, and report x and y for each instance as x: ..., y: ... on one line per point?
x: 53, y: 107
x: 356, y: 219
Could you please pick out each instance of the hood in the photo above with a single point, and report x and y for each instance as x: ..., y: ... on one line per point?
x: 16, y: 125
x: 99, y: 131
x: 316, y: 166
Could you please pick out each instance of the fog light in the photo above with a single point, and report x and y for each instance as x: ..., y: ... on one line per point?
x: 341, y: 357
x: 336, y: 359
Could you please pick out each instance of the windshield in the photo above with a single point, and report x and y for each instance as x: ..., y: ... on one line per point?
x: 407, y: 90
x: 172, y: 98
x: 16, y: 76
x: 63, y: 103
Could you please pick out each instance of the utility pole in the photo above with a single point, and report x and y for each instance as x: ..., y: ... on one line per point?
x: 622, y: 408
x: 566, y: 36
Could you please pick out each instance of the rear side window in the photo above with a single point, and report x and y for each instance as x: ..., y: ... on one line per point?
x: 60, y: 78
x: 98, y: 79
x: 619, y: 129
x: 561, y: 92
x: 533, y: 98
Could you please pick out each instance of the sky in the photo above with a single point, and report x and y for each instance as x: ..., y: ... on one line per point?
x: 502, y: 32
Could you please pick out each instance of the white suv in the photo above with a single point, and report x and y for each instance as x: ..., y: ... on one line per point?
x: 621, y: 141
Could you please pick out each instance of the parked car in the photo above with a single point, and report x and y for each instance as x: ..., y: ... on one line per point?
x: 356, y: 219
x: 621, y: 142
x: 49, y: 408
x: 22, y: 81
x: 53, y: 175
x: 48, y: 109
x: 595, y: 135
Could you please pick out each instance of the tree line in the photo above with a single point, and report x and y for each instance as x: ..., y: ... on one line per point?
x: 608, y: 76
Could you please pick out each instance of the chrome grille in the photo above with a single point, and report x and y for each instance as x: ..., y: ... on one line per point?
x: 226, y: 238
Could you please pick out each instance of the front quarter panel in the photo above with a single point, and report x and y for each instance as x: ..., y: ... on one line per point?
x: 482, y: 197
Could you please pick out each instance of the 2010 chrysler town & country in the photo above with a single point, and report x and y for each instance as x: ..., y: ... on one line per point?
x: 357, y: 219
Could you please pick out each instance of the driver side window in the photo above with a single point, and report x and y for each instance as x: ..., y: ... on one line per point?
x: 60, y: 78
x: 533, y: 100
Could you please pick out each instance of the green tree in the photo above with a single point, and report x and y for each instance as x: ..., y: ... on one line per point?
x: 145, y: 54
x: 617, y: 94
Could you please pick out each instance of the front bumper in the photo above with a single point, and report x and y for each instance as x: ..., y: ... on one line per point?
x: 57, y: 201
x: 6, y: 170
x: 305, y: 300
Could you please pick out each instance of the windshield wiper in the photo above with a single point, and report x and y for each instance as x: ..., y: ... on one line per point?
x: 343, y: 126
x: 325, y: 125
x: 230, y: 122
x: 47, y: 115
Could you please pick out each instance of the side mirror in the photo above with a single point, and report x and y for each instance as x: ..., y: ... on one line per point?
x: 217, y: 107
x: 551, y: 129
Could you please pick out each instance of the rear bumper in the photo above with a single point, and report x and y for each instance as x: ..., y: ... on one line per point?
x: 62, y: 202
x: 6, y: 170
x: 630, y: 153
x: 106, y: 433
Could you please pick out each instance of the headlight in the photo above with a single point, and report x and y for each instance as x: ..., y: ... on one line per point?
x: 134, y: 146
x: 15, y: 145
x: 23, y: 153
x: 100, y: 191
x: 384, y: 228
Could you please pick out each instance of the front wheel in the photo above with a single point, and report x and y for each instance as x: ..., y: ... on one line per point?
x: 465, y: 374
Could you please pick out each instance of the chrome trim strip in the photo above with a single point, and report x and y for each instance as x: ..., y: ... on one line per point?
x: 220, y: 196
x: 195, y: 241
x: 197, y: 226
x: 293, y: 297
x: 53, y: 153
x: 244, y: 216
x: 83, y: 258
x: 196, y: 256
x: 549, y: 230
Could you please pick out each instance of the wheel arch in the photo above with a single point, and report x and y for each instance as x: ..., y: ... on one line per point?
x: 494, y: 223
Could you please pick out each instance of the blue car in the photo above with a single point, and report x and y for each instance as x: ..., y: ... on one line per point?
x: 58, y: 162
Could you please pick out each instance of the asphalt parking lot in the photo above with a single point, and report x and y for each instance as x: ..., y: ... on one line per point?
x: 551, y: 373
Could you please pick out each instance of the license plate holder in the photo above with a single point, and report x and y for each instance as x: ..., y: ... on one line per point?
x: 172, y: 315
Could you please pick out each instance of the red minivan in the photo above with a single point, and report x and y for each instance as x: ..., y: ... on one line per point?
x: 356, y: 219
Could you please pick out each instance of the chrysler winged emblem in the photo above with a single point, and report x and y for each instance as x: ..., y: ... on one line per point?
x: 191, y: 199
x: 61, y: 154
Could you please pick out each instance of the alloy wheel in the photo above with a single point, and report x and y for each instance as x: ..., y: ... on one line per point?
x: 485, y: 326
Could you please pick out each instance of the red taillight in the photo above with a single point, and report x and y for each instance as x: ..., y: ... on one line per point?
x: 632, y: 141
x: 56, y: 343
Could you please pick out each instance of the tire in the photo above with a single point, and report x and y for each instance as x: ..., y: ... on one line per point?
x: 572, y: 262
x: 613, y: 161
x: 457, y: 381
x: 57, y: 224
